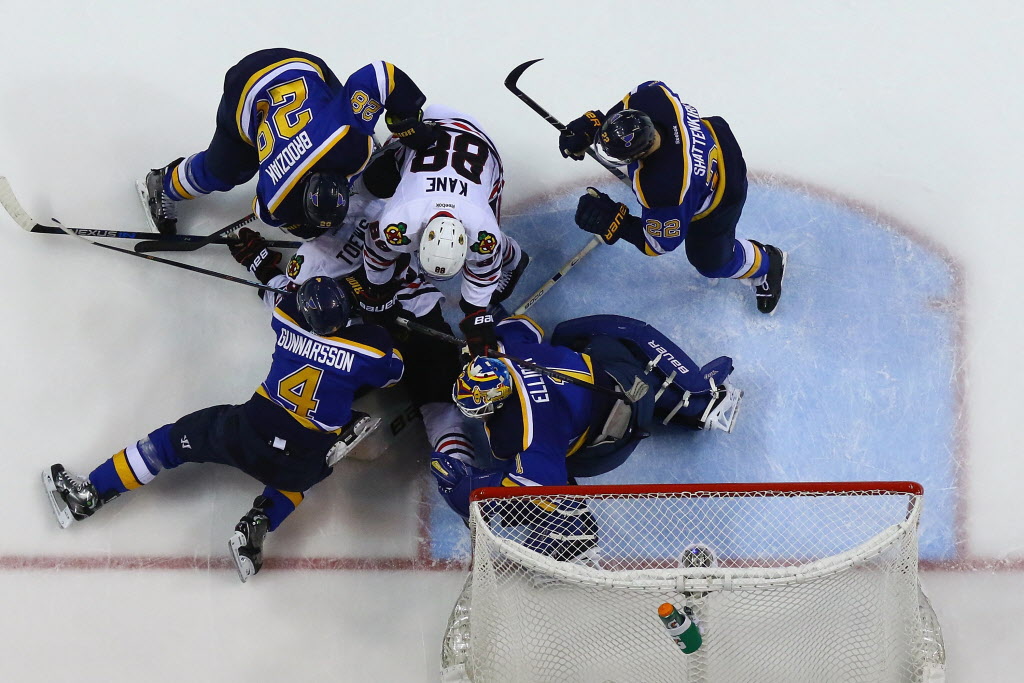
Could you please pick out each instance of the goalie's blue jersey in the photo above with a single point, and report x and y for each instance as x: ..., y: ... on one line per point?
x: 294, y: 117
x: 545, y: 420
x: 685, y: 178
x: 315, y: 378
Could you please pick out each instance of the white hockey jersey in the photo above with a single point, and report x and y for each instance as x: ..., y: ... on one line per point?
x: 460, y: 176
x: 340, y: 252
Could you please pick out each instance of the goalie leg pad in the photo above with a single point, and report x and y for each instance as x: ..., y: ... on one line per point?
x: 567, y: 532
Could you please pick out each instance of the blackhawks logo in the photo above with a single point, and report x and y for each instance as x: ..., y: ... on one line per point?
x: 485, y: 244
x: 294, y: 266
x: 395, y: 234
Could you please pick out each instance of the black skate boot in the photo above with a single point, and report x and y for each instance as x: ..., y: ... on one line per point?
x: 768, y: 287
x: 508, y: 280
x: 73, y: 499
x: 246, y: 544
x: 162, y: 212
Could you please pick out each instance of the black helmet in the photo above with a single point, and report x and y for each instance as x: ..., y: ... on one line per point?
x: 325, y: 197
x: 626, y: 135
x: 324, y: 305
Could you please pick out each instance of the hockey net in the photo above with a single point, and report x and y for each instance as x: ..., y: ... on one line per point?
x: 806, y: 582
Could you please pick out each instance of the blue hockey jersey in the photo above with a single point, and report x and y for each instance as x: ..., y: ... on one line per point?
x: 315, y: 378
x: 685, y: 178
x: 546, y: 420
x: 294, y: 118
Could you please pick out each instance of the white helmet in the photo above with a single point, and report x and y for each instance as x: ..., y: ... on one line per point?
x: 443, y: 247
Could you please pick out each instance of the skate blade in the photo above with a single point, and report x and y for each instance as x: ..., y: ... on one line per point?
x: 143, y: 193
x: 60, y: 509
x: 244, y: 565
x: 785, y: 260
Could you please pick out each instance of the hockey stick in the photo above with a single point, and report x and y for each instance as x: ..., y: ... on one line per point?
x: 174, y: 245
x: 42, y: 229
x: 554, y: 374
x: 512, y: 83
x: 22, y: 218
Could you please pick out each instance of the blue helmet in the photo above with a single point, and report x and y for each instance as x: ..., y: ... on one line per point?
x: 324, y: 305
x: 482, y: 386
x: 626, y: 136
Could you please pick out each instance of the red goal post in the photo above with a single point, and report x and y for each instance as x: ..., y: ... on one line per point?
x: 807, y: 581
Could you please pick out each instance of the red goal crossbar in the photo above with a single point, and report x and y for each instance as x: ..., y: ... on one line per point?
x: 849, y: 488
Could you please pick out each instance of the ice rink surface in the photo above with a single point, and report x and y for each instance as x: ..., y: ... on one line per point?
x: 884, y: 147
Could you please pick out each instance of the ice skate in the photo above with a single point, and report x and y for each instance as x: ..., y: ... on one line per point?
x: 73, y: 499
x: 246, y: 544
x: 160, y: 209
x: 509, y: 279
x: 768, y: 287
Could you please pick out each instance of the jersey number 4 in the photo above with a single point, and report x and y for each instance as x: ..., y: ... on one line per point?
x: 299, y: 389
x: 464, y: 152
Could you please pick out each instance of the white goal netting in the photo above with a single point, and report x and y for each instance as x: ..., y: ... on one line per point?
x: 787, y: 582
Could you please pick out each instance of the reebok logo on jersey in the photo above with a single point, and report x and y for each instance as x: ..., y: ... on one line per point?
x: 185, y: 443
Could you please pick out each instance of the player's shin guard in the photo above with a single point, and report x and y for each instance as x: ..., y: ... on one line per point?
x: 567, y: 533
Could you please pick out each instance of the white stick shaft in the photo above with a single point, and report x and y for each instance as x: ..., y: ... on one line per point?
x: 557, y: 276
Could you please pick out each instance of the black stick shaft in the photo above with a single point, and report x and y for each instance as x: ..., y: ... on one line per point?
x: 511, y: 82
x: 41, y: 229
x: 173, y: 245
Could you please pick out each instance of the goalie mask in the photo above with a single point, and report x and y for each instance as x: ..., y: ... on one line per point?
x: 481, y: 387
x: 442, y: 251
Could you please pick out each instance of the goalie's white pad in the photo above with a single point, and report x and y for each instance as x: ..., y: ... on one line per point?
x: 721, y: 413
x: 60, y: 506
x: 350, y: 438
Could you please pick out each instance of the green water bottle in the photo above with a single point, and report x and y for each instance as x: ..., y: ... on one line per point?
x: 680, y: 627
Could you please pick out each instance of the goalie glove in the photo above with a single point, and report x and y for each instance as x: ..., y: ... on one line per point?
x: 574, y: 140
x: 601, y: 215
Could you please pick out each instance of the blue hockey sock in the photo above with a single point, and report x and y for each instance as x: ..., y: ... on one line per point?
x: 282, y: 504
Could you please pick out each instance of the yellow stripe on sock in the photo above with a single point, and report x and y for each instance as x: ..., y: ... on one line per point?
x: 124, y: 471
x: 757, y: 263
x: 294, y: 496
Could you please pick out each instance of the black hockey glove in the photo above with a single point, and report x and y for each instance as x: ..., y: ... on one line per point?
x: 251, y: 251
x: 377, y: 303
x: 600, y: 214
x: 579, y: 135
x: 478, y: 327
x: 411, y: 130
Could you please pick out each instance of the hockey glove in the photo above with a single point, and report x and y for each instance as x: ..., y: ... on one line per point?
x: 579, y: 135
x: 377, y: 303
x: 251, y: 251
x: 600, y: 214
x: 478, y: 326
x: 457, y: 479
x: 411, y: 130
